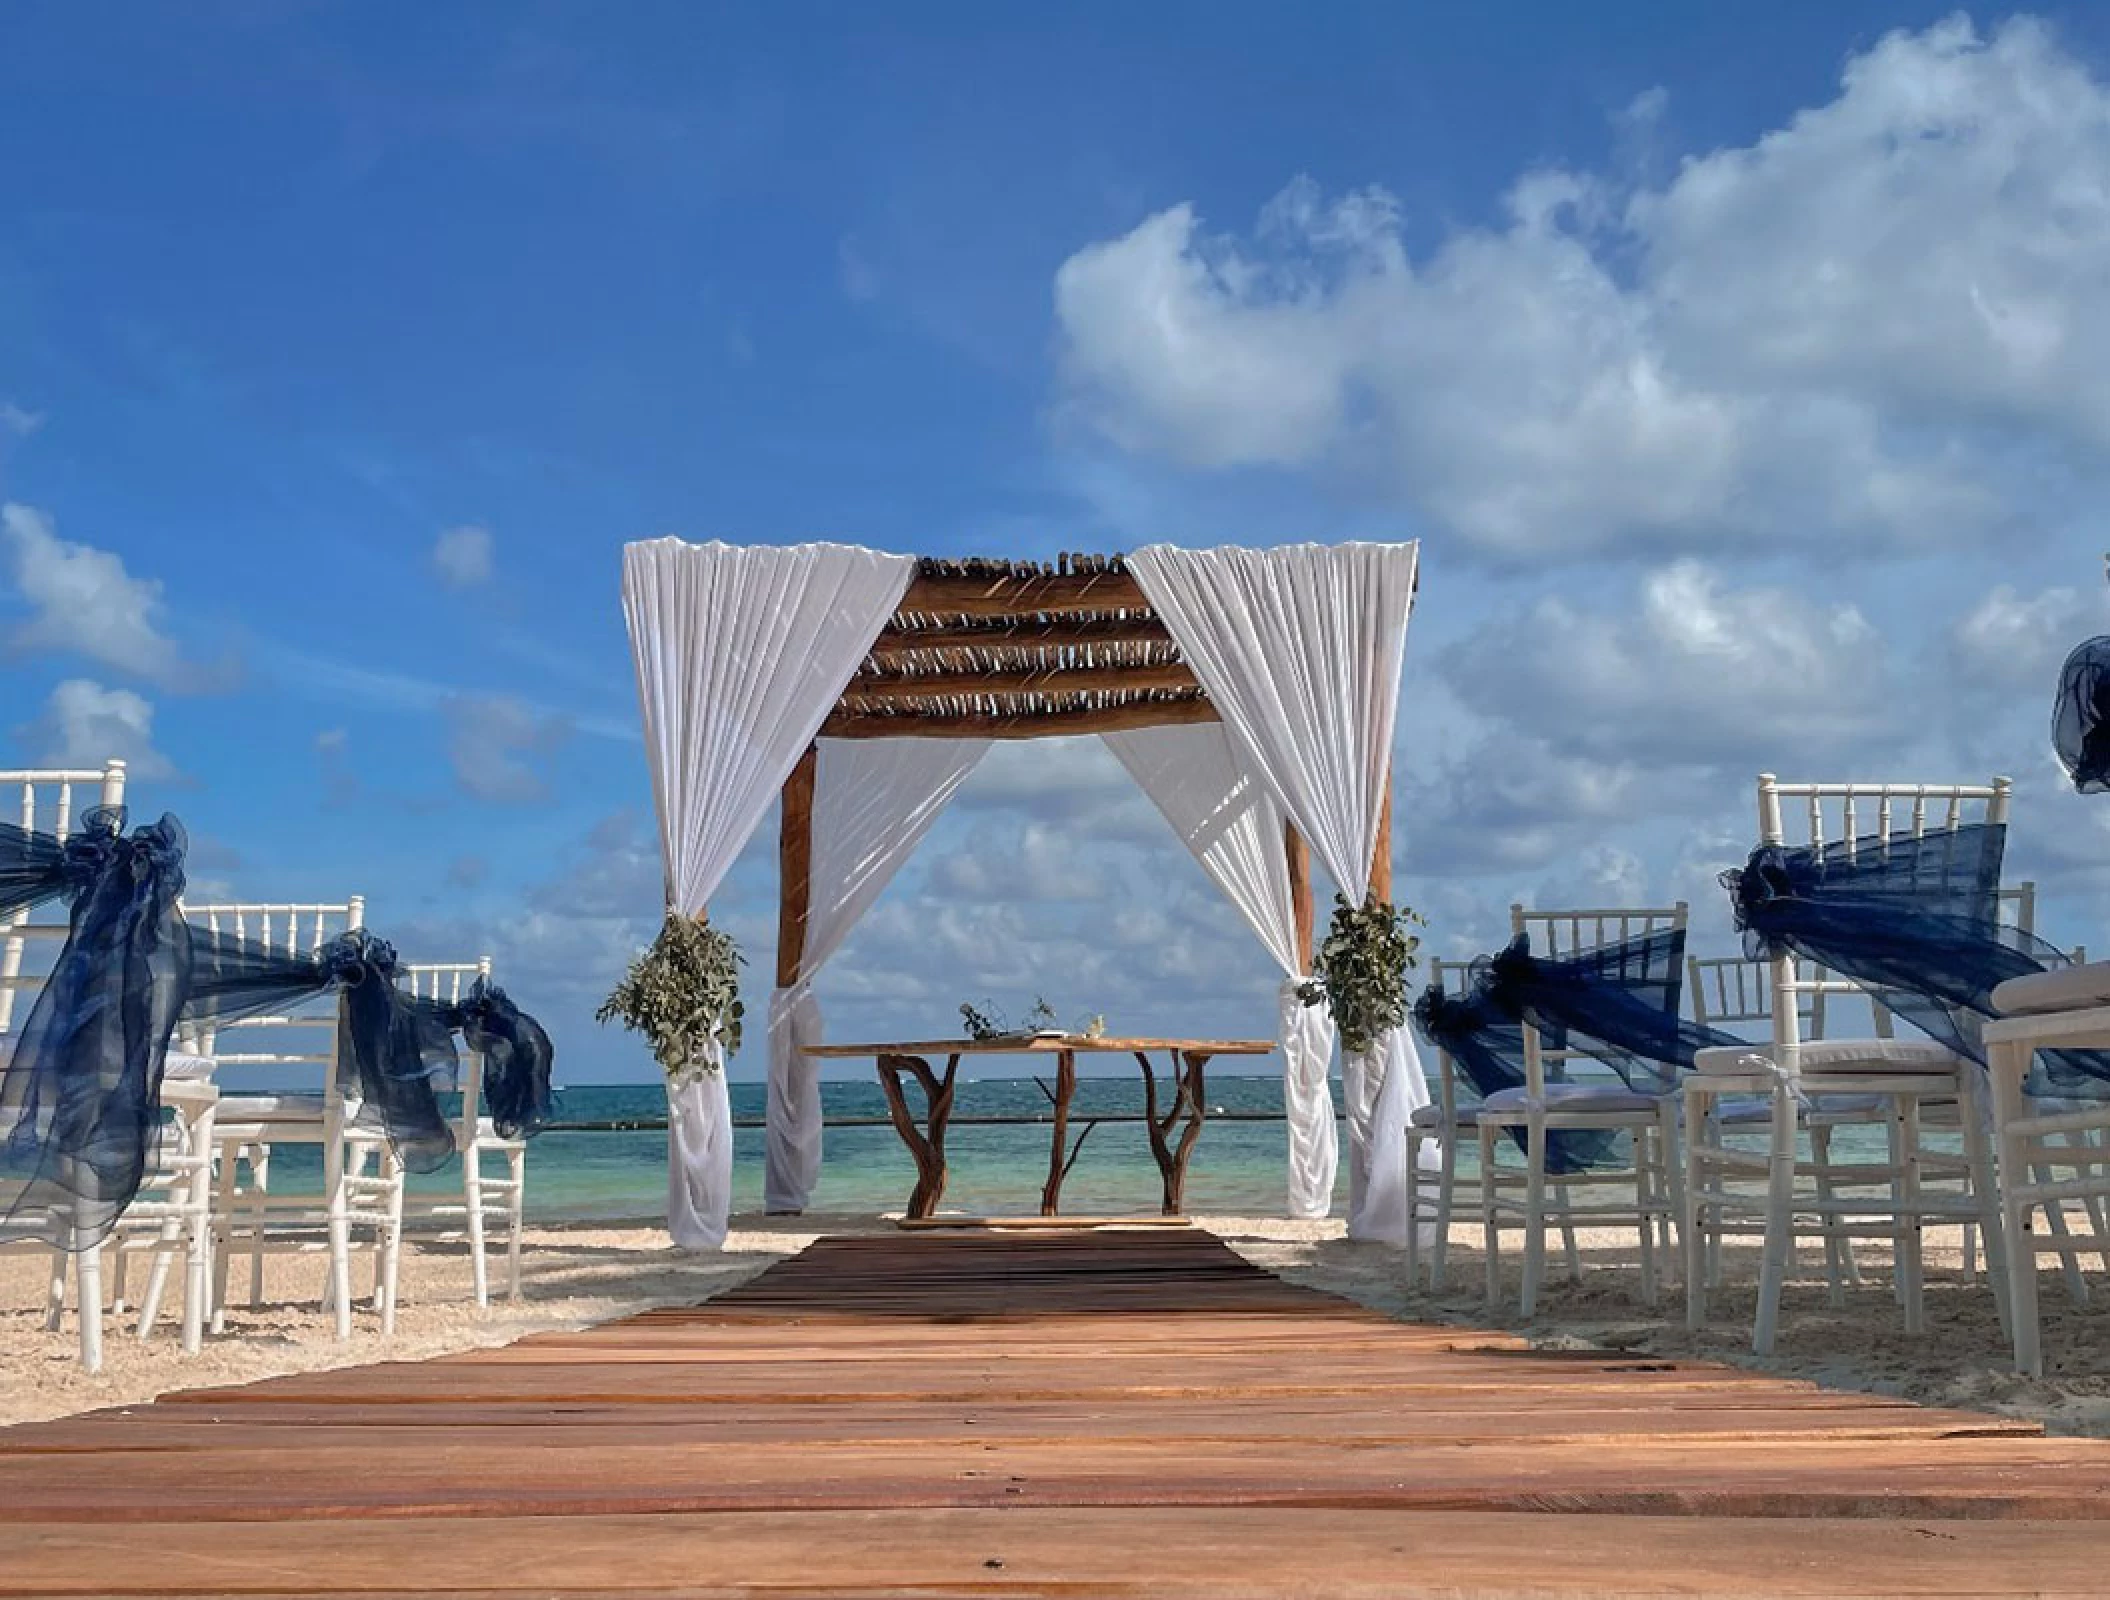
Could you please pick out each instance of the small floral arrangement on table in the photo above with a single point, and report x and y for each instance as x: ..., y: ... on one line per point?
x: 681, y: 994
x: 986, y: 1022
x: 1360, y: 973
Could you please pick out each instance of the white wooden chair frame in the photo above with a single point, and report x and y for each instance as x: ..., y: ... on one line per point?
x: 257, y: 1217
x: 1905, y: 1205
x: 1548, y: 1196
x: 82, y: 1263
x: 484, y: 1199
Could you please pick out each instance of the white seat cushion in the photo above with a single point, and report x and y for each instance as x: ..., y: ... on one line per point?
x: 1571, y: 1097
x: 1431, y: 1116
x: 185, y: 1067
x: 1834, y: 1055
x: 2081, y: 988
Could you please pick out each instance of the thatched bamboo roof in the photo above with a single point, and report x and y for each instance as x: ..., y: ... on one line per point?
x: 1020, y: 649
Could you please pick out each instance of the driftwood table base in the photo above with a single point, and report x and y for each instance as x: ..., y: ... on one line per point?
x: 927, y: 1144
x: 1189, y: 1109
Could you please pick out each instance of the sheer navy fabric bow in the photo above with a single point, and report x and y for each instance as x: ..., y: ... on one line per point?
x: 2080, y: 717
x: 80, y: 1098
x: 392, y: 1051
x: 1617, y: 1003
x: 1487, y: 1045
x: 1914, y: 919
x: 517, y: 1056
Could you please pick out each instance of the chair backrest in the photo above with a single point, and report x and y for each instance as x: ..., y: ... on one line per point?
x: 47, y: 800
x: 448, y: 981
x: 1726, y: 990
x: 289, y: 928
x: 1556, y: 935
x: 1840, y: 813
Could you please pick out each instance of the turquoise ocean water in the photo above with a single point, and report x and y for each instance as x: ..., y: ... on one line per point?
x: 1237, y: 1168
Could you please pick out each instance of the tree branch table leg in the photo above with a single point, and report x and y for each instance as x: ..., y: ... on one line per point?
x: 1058, y: 1164
x: 926, y: 1145
x: 1187, y: 1111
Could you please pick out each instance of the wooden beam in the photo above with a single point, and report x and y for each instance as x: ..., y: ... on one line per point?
x: 1023, y: 680
x: 1299, y: 854
x: 1027, y: 634
x: 795, y: 866
x: 1026, y: 725
x: 1023, y: 597
x: 1381, y: 863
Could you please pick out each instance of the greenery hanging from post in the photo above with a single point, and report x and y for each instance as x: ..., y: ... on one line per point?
x: 680, y: 994
x: 1360, y: 973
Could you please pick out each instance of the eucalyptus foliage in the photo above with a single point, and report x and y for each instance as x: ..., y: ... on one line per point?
x: 1360, y: 973
x: 681, y: 993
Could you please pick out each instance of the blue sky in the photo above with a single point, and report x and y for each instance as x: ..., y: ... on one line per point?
x: 1743, y: 370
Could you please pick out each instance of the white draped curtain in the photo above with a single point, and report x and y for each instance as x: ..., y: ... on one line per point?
x: 741, y: 653
x: 874, y: 800
x: 1232, y: 825
x: 1300, y: 650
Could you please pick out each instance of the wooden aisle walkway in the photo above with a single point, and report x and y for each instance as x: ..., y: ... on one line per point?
x: 1134, y: 1412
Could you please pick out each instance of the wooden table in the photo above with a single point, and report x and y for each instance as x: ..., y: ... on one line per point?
x: 927, y: 1143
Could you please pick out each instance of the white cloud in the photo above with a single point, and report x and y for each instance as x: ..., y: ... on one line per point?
x: 85, y: 724
x: 17, y: 422
x: 1687, y: 672
x: 87, y: 604
x: 2012, y: 641
x: 1835, y: 334
x: 462, y: 556
x: 494, y: 743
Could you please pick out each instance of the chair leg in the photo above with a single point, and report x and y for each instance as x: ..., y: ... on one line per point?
x: 1490, y: 1228
x: 1534, y: 1220
x: 259, y: 1200
x: 1644, y: 1198
x: 1446, y: 1190
x: 117, y: 1283
x: 2098, y: 1225
x: 61, y: 1265
x: 88, y: 1284
x: 340, y: 1235
x: 1975, y: 1107
x: 2006, y: 1067
x: 1911, y: 1281
x: 1413, y: 1222
x: 1692, y: 1216
x: 516, y: 1166
x: 1780, y: 1219
x: 2062, y: 1231
x: 1834, y: 1265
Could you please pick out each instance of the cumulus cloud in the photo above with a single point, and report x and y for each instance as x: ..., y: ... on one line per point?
x: 2015, y: 641
x: 85, y: 603
x: 1689, y: 671
x: 17, y: 422
x: 1745, y: 352
x: 495, y: 744
x: 463, y: 556
x: 85, y: 724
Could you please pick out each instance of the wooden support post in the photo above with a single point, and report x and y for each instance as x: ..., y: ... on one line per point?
x: 1299, y: 854
x: 926, y: 1146
x: 795, y: 866
x: 1058, y: 1163
x: 1188, y: 1110
x: 1381, y: 863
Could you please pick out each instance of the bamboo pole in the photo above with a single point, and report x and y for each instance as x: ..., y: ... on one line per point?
x: 795, y: 866
x: 1299, y: 854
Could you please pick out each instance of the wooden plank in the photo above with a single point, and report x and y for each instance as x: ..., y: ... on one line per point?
x: 1035, y: 680
x: 1118, y: 1411
x: 1214, y: 1553
x: 1069, y: 724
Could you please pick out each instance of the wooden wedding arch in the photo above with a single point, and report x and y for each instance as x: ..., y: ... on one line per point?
x: 995, y: 649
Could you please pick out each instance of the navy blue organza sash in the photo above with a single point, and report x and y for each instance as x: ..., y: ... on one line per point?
x: 1912, y: 919
x: 1487, y: 1046
x: 80, y: 1097
x: 517, y: 1056
x: 2080, y: 717
x: 393, y: 1051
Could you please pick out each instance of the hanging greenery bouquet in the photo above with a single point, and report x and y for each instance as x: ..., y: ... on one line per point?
x: 680, y: 994
x: 1360, y: 973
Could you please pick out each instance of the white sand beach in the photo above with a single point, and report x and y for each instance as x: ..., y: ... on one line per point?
x: 575, y: 1276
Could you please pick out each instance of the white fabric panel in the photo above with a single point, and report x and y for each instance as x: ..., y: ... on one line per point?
x: 1307, y: 1103
x: 873, y: 802
x: 1230, y: 822
x: 1300, y: 650
x: 699, y: 1160
x: 741, y: 652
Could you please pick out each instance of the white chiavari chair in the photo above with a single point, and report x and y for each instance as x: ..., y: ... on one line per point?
x: 49, y: 800
x: 1566, y: 1089
x: 486, y: 1196
x: 1868, y: 1199
x: 267, y: 1213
